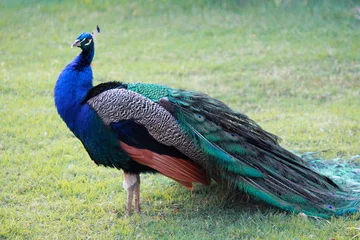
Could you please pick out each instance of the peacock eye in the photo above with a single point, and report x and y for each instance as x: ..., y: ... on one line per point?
x: 87, y: 41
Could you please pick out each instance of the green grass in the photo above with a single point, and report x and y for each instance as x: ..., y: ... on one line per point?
x: 293, y: 66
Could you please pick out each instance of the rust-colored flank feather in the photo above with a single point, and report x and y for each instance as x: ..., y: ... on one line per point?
x: 183, y: 171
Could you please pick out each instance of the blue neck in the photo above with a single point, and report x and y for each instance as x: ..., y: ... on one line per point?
x: 85, y: 58
x: 71, y: 87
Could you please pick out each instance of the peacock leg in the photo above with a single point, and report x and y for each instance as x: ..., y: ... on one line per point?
x: 131, y: 184
x: 130, y: 192
x: 137, y: 194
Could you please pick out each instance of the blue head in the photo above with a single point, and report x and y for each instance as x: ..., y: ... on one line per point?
x: 85, y: 41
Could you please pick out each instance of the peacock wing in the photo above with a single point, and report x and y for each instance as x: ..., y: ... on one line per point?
x: 145, y: 131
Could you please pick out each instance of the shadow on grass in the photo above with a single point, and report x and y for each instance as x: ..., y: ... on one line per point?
x: 203, y: 202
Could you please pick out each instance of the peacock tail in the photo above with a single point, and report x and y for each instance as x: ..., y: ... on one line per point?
x: 242, y: 154
x: 189, y: 137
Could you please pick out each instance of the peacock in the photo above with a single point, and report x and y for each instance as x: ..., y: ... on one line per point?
x: 189, y: 137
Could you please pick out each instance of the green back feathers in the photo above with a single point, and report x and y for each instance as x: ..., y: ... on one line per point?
x: 152, y: 91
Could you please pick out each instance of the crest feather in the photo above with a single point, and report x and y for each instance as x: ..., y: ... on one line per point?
x: 96, y: 31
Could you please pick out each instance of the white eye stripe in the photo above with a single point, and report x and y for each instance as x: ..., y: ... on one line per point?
x: 88, y: 42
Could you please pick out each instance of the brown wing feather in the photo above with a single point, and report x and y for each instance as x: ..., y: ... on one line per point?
x: 178, y: 169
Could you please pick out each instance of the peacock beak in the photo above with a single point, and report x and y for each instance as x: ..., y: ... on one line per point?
x: 77, y: 43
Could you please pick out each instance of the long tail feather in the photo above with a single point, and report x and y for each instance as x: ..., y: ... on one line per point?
x: 244, y: 155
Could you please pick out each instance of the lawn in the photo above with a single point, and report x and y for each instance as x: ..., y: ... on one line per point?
x: 291, y: 65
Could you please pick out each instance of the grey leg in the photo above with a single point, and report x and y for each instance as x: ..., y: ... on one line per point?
x: 131, y: 184
x: 137, y: 194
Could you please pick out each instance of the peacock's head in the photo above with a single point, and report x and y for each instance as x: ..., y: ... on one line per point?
x: 86, y: 40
